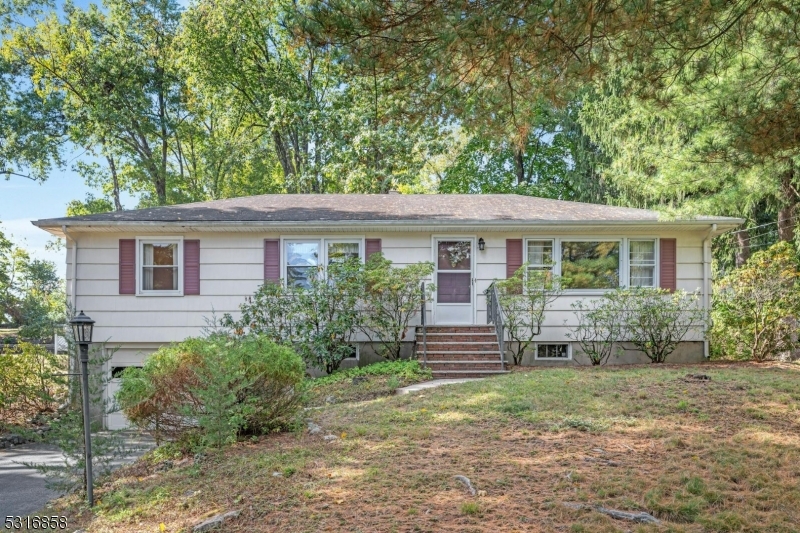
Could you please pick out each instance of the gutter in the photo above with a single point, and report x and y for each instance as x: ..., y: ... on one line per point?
x: 707, y: 286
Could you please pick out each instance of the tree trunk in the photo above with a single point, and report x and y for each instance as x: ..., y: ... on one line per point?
x: 114, y: 183
x: 786, y: 222
x: 742, y: 248
x: 519, y: 164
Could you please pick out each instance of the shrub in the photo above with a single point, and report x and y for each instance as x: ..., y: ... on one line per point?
x: 219, y: 387
x: 391, y: 299
x: 524, y: 298
x: 597, y: 329
x: 755, y: 307
x: 32, y: 382
x: 655, y: 320
x: 405, y: 370
x: 319, y: 321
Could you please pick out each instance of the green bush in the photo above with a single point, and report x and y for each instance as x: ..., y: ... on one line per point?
x: 217, y: 387
x: 404, y: 370
x: 755, y: 307
x: 392, y: 297
x: 319, y: 321
x: 32, y: 382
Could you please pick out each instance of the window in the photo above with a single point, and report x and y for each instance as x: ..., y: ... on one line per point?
x: 540, y: 255
x: 339, y: 252
x: 160, y: 266
x: 553, y: 351
x: 642, y: 263
x: 590, y: 264
x: 304, y: 258
x: 117, y: 371
x: 302, y: 262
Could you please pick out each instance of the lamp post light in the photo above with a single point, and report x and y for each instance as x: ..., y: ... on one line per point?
x: 82, y: 327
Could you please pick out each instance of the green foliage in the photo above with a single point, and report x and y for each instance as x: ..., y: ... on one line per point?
x: 656, y: 320
x: 319, y: 321
x: 755, y: 307
x: 523, y: 299
x: 403, y: 369
x: 31, y: 382
x: 31, y: 293
x: 67, y: 431
x: 392, y: 297
x: 598, y: 328
x: 217, y: 387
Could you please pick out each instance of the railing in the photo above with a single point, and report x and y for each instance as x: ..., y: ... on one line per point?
x: 494, y: 315
x: 422, y: 311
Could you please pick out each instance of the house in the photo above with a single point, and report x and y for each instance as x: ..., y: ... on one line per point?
x: 153, y: 276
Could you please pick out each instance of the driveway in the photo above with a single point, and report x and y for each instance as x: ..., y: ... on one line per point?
x: 23, y: 490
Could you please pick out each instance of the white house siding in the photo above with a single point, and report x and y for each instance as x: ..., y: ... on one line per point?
x: 231, y: 268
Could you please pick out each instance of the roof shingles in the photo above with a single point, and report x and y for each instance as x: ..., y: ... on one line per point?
x: 372, y: 208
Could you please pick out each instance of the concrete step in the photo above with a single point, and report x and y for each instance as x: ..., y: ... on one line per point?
x: 438, y: 366
x: 460, y: 329
x: 456, y: 374
x: 468, y: 336
x: 450, y: 346
x: 460, y: 356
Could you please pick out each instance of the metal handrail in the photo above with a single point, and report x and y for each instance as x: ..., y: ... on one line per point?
x: 423, y: 306
x: 494, y: 315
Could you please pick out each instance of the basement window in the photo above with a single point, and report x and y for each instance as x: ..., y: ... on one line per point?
x: 553, y: 352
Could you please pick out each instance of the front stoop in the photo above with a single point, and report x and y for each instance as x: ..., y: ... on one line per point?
x: 461, y: 351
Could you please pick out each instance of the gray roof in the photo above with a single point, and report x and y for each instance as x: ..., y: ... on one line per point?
x: 411, y: 208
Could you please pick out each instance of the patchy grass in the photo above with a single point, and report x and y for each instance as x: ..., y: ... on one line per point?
x: 717, y: 456
x: 366, y: 382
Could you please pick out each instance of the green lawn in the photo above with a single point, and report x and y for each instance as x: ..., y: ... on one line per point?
x: 721, y: 455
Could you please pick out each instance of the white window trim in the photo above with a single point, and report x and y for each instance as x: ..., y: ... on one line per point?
x: 553, y: 265
x: 657, y: 255
x: 624, y: 260
x: 536, y: 352
x: 140, y: 241
x: 323, y: 248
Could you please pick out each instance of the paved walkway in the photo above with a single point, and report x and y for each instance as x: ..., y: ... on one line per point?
x: 23, y: 490
x: 433, y: 384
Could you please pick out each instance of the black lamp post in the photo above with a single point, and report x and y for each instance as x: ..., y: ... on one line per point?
x: 481, y: 244
x: 82, y: 327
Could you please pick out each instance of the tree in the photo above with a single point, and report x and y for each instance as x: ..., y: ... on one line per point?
x: 329, y: 131
x: 524, y: 298
x: 557, y: 160
x: 31, y: 293
x: 655, y: 320
x: 392, y: 297
x: 597, y: 330
x: 755, y: 307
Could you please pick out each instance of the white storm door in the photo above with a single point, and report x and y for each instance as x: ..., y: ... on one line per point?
x: 454, y: 269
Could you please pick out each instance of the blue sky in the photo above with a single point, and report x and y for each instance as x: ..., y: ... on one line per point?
x: 22, y: 200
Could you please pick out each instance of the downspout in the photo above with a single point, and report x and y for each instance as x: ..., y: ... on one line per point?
x: 72, y: 294
x: 74, y: 385
x: 707, y: 286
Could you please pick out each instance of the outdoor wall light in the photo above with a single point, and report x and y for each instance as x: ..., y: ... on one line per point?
x: 481, y: 244
x: 82, y: 327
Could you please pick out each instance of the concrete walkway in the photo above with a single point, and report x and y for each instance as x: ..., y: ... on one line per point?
x: 433, y: 384
x: 23, y: 489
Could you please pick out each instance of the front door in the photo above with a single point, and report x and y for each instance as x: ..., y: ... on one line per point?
x: 454, y: 266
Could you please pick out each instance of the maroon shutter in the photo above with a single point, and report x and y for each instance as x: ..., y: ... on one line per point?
x: 127, y: 266
x: 668, y: 264
x: 372, y: 246
x: 272, y: 260
x: 191, y: 267
x: 513, y: 256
